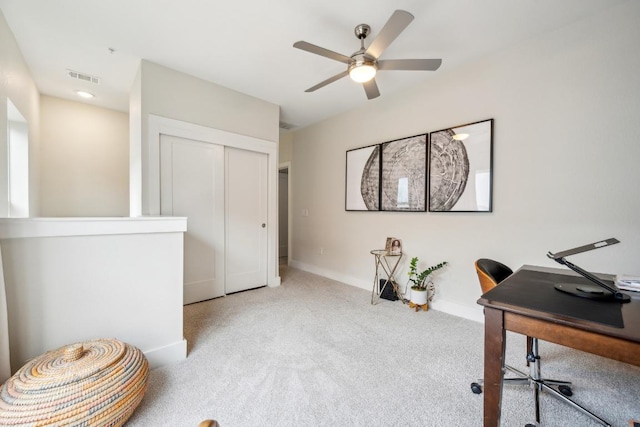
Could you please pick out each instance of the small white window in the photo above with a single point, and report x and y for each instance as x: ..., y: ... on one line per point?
x: 17, y: 163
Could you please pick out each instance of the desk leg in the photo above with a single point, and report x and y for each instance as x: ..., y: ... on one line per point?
x: 494, y: 341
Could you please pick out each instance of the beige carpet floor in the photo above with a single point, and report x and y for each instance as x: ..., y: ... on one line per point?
x: 315, y: 352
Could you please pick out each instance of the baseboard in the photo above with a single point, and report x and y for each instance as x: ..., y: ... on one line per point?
x: 347, y: 280
x: 167, y: 355
x: 472, y: 313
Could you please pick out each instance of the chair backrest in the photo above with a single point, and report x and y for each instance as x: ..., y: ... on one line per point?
x: 490, y: 273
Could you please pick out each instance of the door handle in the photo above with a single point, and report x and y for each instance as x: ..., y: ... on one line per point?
x: 264, y: 225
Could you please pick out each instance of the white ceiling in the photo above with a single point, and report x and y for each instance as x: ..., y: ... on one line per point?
x: 246, y: 45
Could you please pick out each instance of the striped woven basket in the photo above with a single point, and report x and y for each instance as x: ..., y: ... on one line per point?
x: 93, y: 383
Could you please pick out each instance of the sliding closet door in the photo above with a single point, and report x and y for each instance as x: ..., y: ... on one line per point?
x: 192, y: 185
x: 246, y: 225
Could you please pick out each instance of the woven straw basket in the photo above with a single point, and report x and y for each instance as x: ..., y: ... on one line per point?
x: 93, y: 383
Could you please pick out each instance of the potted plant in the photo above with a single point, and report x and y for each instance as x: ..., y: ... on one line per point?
x: 420, y: 285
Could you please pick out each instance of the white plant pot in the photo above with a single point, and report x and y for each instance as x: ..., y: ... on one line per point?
x: 419, y: 297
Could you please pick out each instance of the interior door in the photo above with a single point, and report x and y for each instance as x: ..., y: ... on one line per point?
x: 246, y: 219
x: 192, y: 185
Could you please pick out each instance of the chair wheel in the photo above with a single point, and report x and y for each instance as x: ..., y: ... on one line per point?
x: 476, y: 388
x: 566, y: 390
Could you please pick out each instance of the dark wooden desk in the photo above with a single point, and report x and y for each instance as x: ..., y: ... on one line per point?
x: 527, y: 303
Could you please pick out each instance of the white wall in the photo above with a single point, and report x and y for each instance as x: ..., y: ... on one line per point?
x: 565, y: 162
x: 70, y: 280
x: 285, y: 147
x: 17, y: 85
x: 172, y: 94
x: 85, y: 159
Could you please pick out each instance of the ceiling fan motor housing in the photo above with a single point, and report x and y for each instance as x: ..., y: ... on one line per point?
x: 359, y: 59
x: 362, y: 31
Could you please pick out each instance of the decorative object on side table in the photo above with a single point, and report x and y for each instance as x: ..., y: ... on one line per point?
x: 393, y: 246
x: 422, y: 288
x: 96, y: 383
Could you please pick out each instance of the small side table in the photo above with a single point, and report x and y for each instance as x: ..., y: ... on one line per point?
x: 389, y: 263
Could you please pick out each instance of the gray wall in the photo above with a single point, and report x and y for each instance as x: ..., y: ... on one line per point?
x: 565, y: 163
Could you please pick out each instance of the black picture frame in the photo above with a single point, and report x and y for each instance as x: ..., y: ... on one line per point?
x: 461, y: 168
x: 362, y: 179
x: 403, y: 174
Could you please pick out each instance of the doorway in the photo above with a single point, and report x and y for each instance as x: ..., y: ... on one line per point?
x: 283, y: 215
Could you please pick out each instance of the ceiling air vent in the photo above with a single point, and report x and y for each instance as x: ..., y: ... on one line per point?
x: 286, y: 126
x: 84, y: 77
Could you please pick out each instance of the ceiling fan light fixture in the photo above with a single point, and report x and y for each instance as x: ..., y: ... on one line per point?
x: 362, y: 71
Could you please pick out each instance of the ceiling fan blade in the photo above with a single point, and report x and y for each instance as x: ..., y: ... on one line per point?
x: 410, y: 64
x: 322, y: 51
x: 329, y: 80
x: 392, y: 29
x: 371, y: 89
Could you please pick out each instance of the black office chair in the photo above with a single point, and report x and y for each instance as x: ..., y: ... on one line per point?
x: 490, y: 274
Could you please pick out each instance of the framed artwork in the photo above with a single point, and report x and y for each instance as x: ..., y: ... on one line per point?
x: 403, y: 174
x: 393, y: 246
x: 362, y: 184
x: 461, y: 168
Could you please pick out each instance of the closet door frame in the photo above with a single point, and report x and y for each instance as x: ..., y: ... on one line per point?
x: 151, y: 181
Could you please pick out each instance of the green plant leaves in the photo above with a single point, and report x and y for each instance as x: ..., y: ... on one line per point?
x: 419, y: 278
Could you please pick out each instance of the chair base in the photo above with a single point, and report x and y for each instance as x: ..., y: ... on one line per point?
x: 562, y: 394
x: 539, y: 384
x: 564, y: 387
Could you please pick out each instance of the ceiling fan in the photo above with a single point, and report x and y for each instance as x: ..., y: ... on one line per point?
x: 363, y: 64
